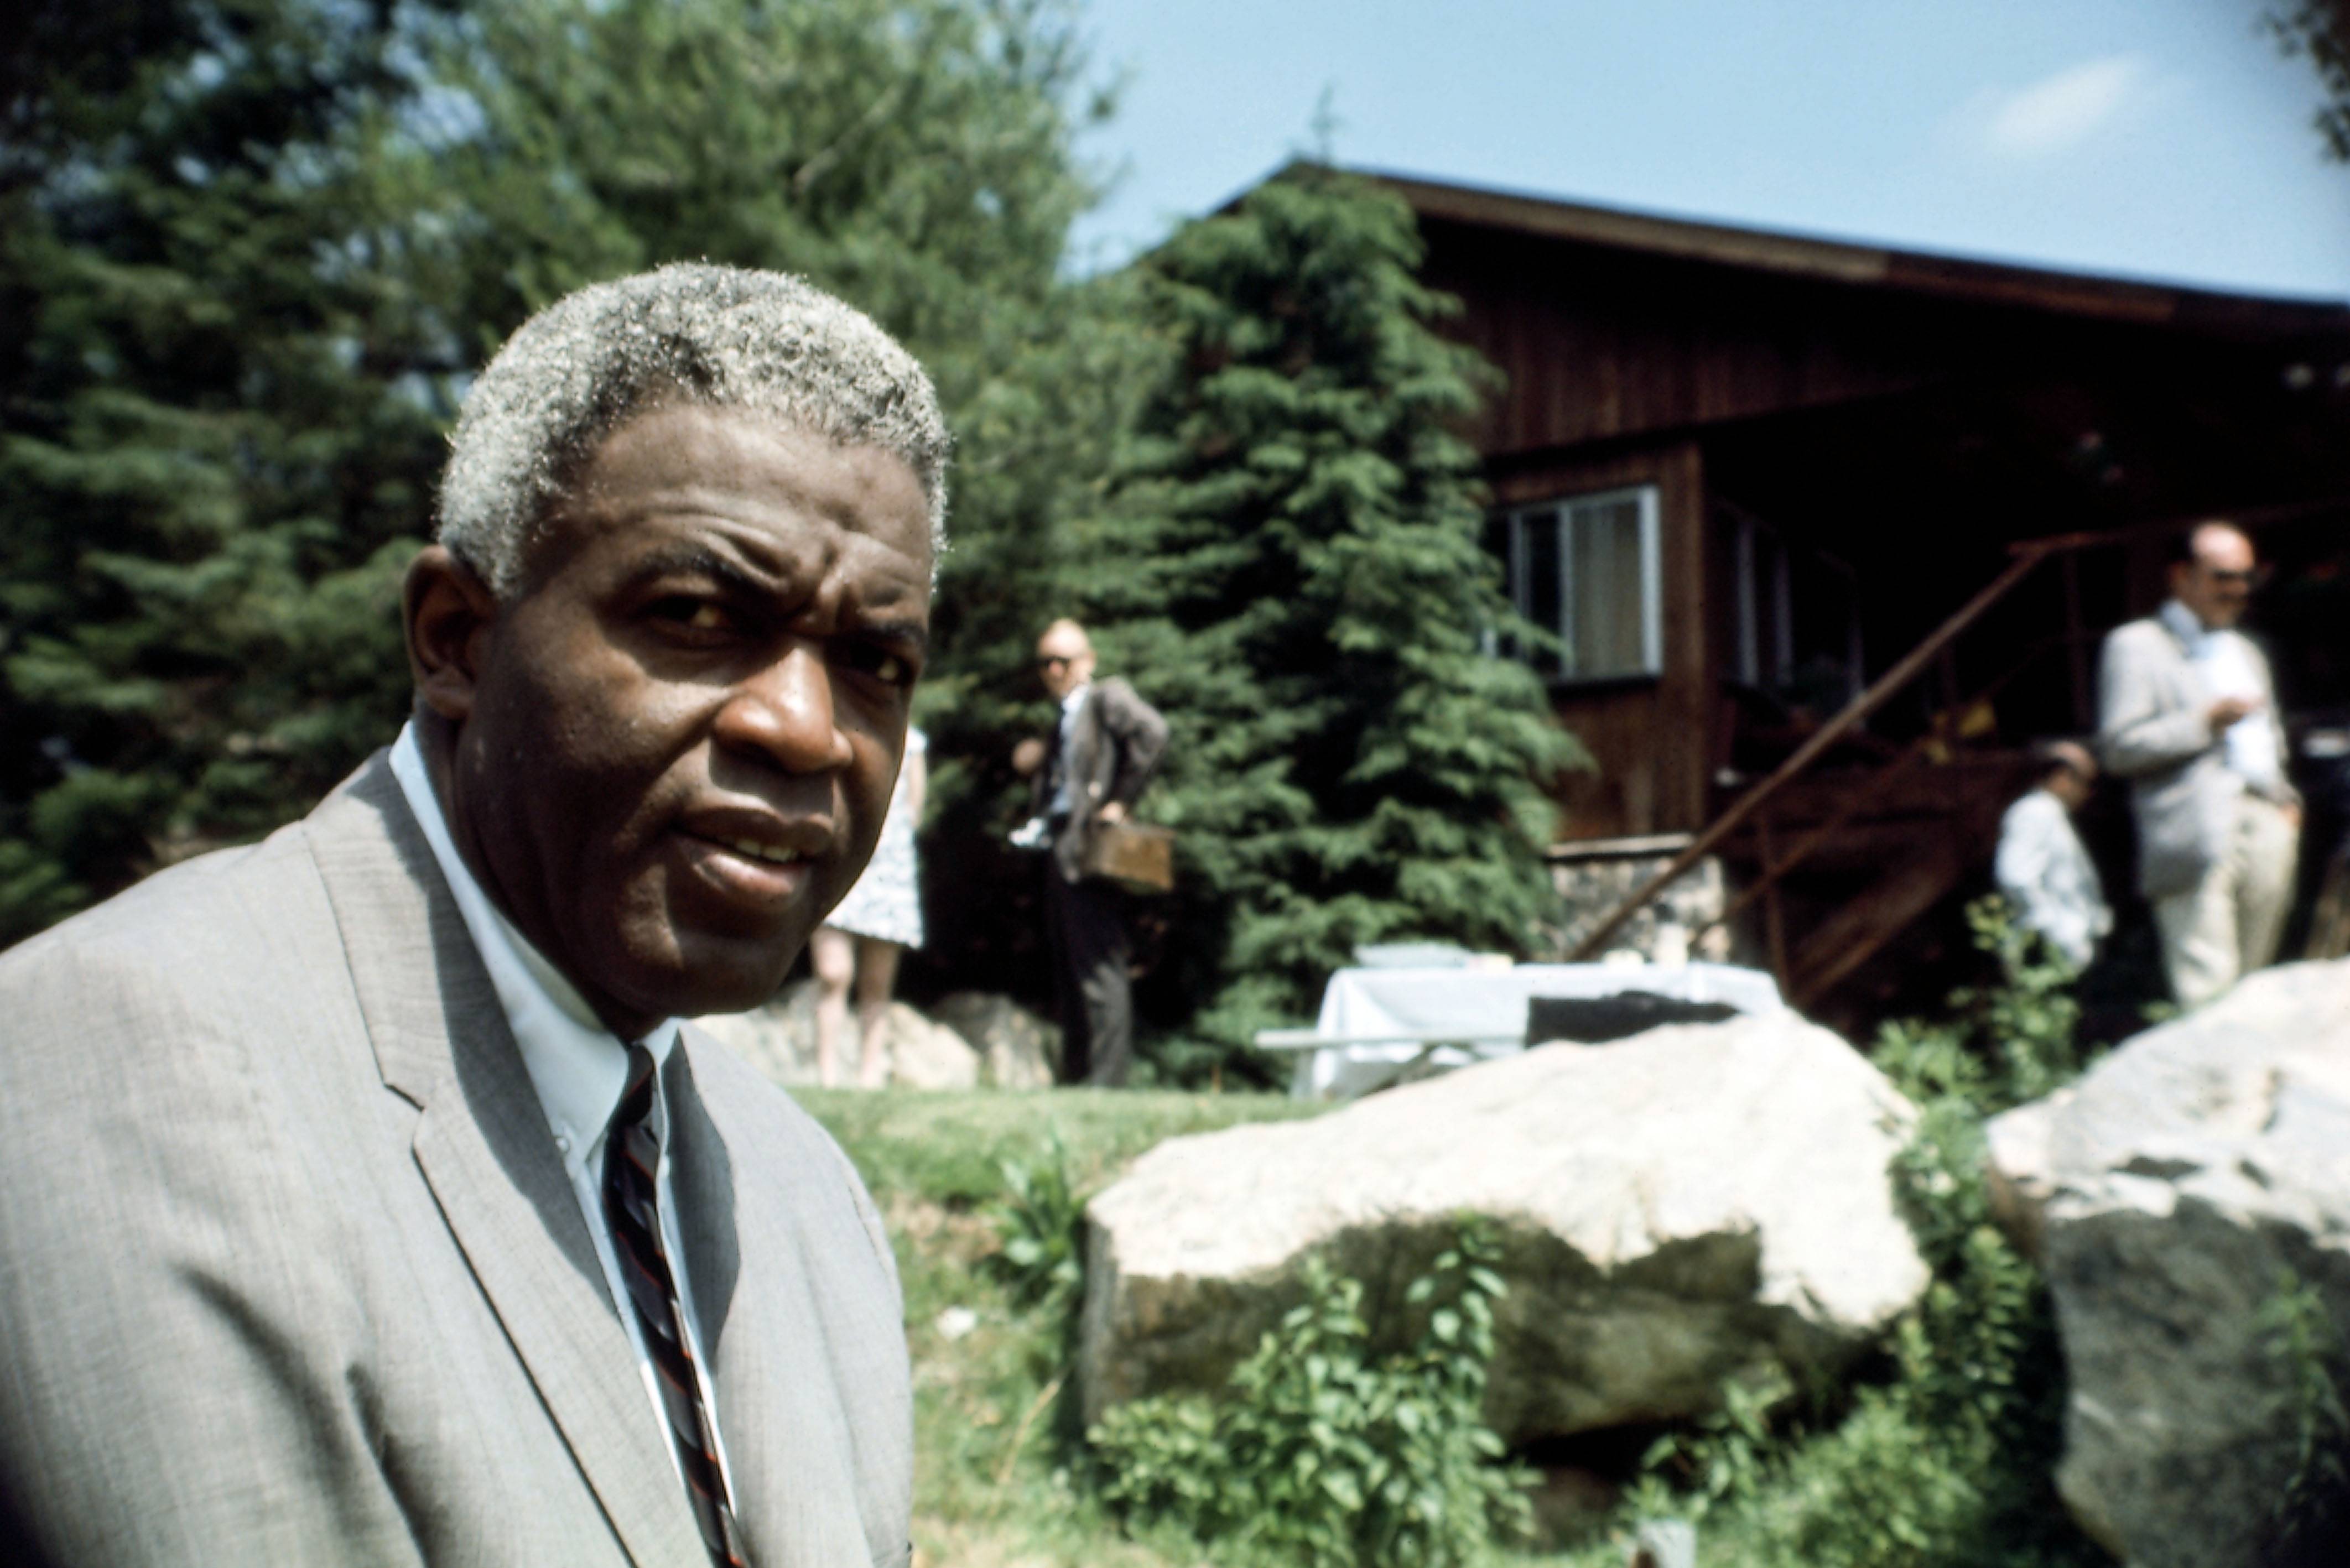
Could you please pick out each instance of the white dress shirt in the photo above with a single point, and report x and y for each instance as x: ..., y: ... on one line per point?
x: 2046, y: 873
x: 2224, y: 660
x: 580, y: 1069
x: 1064, y: 788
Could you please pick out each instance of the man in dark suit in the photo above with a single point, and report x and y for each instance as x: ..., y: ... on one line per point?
x: 367, y: 1201
x: 1088, y: 773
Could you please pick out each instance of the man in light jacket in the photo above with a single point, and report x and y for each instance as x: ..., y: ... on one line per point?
x: 1088, y: 773
x: 2187, y: 712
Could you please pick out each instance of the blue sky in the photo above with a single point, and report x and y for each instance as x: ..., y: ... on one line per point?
x: 2163, y: 138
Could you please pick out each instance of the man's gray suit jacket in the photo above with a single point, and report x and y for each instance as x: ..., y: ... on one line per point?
x: 2153, y: 730
x: 290, y: 1271
x: 1115, y: 749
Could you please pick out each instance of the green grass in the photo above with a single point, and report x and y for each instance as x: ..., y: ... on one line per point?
x: 995, y: 1420
x: 994, y: 1417
x: 948, y: 1146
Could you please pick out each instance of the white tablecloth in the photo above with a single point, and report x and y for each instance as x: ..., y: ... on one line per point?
x: 1486, y: 1011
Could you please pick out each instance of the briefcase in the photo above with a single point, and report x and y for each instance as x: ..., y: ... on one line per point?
x: 1138, y: 858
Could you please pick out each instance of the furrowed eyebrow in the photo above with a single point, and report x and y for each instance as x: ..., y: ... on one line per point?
x: 700, y: 560
x: 910, y: 635
x: 687, y: 558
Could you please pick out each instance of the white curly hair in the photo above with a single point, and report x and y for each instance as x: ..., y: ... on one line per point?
x: 722, y: 336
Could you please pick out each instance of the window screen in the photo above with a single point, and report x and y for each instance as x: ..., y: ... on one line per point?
x: 1584, y: 569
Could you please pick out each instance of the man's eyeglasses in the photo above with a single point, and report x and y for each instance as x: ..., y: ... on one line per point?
x: 1047, y: 664
x: 2252, y: 577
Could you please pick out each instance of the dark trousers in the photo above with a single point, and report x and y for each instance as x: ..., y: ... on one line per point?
x: 1087, y: 922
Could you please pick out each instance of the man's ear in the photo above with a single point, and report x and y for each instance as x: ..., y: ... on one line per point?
x: 449, y: 612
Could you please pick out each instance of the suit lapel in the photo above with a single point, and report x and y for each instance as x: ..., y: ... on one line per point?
x: 1084, y: 748
x: 788, y: 1438
x: 482, y: 1141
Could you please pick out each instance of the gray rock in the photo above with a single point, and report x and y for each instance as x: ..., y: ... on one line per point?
x: 1593, y: 878
x: 779, y: 1039
x: 1018, y: 1050
x: 927, y: 1056
x: 1698, y: 1202
x: 2019, y: 1171
x: 2187, y: 1169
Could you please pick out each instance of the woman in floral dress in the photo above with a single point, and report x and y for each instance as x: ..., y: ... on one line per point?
x: 860, y: 943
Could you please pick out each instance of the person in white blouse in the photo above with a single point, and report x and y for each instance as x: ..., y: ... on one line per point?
x: 2187, y: 712
x: 2042, y: 866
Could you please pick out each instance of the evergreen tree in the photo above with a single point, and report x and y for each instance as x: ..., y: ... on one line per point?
x: 914, y: 156
x: 256, y: 246
x: 218, y: 424
x: 1305, y: 593
x: 2319, y: 31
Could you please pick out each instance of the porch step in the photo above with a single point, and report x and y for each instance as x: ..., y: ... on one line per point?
x: 1864, y: 925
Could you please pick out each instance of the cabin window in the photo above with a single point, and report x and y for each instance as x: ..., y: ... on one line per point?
x: 1798, y: 618
x: 1584, y: 569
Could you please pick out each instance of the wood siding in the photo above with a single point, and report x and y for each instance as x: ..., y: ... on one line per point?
x: 1905, y: 417
x: 1650, y: 737
x: 1598, y: 345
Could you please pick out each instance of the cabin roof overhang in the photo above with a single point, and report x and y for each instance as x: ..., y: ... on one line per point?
x: 1956, y: 278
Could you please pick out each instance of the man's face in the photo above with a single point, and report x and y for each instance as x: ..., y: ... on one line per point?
x: 684, y: 731
x: 1065, y: 662
x: 2218, y: 584
x: 2071, y: 787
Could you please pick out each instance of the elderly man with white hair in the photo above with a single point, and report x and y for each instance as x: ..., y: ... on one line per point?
x: 367, y: 1200
x: 2187, y: 712
x: 1086, y: 776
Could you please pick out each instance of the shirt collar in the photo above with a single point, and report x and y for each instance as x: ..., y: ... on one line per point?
x: 2186, y: 623
x: 1075, y: 701
x: 577, y: 1066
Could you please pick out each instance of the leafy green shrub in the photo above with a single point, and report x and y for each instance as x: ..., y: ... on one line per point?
x: 1999, y: 1044
x: 1038, y: 1223
x: 1947, y: 1464
x: 1945, y: 1467
x: 2302, y: 1341
x: 1727, y: 1459
x: 1324, y: 1454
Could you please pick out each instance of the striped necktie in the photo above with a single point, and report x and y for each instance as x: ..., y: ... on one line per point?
x: 632, y: 1208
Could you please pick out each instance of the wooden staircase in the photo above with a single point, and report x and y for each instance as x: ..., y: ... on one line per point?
x: 1898, y: 841
x: 1893, y: 840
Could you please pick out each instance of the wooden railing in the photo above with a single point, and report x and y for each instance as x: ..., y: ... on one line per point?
x: 1852, y: 804
x: 2028, y: 555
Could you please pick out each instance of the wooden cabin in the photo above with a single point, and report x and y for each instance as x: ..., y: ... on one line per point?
x: 1746, y: 477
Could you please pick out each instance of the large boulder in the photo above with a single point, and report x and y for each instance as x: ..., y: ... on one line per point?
x: 2182, y: 1175
x: 779, y: 1039
x: 1018, y: 1049
x: 2021, y: 1170
x: 1700, y: 1202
